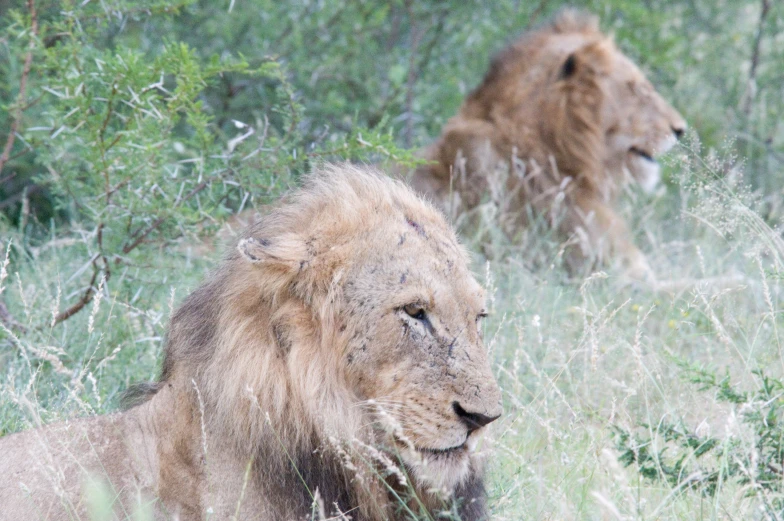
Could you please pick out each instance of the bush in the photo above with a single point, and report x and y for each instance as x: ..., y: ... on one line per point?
x: 125, y: 142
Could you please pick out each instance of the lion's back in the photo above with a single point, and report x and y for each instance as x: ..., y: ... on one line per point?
x: 44, y: 469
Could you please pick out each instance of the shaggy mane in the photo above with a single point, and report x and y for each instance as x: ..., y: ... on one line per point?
x: 260, y: 346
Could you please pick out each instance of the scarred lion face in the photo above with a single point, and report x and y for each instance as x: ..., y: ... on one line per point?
x: 417, y: 356
x: 379, y: 318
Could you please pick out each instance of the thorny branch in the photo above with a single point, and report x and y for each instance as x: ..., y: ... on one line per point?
x: 142, y: 234
x: 416, y: 36
x: 138, y: 238
x: 20, y: 100
x: 89, y: 293
x: 85, y: 299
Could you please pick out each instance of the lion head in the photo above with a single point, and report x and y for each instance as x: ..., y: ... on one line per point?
x: 346, y: 317
x: 567, y: 92
x: 561, y: 111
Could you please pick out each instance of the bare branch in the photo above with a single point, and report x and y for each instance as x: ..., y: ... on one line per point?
x: 416, y: 36
x: 20, y: 99
x: 89, y: 293
x: 85, y: 299
x: 751, y: 84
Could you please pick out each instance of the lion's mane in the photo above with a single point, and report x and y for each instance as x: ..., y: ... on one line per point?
x: 264, y: 353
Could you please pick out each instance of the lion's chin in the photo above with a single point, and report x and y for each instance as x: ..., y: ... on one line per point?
x: 644, y: 169
x: 439, y: 470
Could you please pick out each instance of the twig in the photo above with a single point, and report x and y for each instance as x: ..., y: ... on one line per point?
x: 535, y: 14
x: 7, y: 178
x: 20, y: 99
x: 142, y: 234
x: 85, y: 299
x: 750, y: 93
x: 89, y: 293
x: 416, y: 35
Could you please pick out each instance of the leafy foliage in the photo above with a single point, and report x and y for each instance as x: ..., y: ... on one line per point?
x: 126, y: 145
x: 752, y: 455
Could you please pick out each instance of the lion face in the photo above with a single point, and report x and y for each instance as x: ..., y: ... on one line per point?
x: 418, y: 359
x: 606, y: 117
x: 638, y: 123
x: 561, y: 122
x: 381, y: 327
x: 566, y: 95
x: 417, y: 356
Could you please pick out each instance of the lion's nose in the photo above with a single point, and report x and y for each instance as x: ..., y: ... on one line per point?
x: 678, y: 131
x: 472, y: 420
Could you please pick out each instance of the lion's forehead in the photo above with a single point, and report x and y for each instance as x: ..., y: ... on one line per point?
x: 418, y: 243
x: 624, y: 69
x: 435, y: 279
x: 564, y: 44
x: 445, y: 271
x: 443, y: 285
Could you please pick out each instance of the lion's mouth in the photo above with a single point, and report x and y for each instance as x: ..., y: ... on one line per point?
x: 438, y: 453
x: 449, y: 451
x: 642, y: 153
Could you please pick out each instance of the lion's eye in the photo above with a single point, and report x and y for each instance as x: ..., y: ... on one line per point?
x: 414, y: 311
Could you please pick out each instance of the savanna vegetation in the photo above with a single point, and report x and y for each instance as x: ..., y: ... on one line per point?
x: 132, y: 131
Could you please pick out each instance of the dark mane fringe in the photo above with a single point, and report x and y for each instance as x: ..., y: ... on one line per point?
x: 191, y: 334
x: 314, y: 475
x: 137, y: 394
x: 322, y: 471
x: 193, y: 327
x: 470, y: 499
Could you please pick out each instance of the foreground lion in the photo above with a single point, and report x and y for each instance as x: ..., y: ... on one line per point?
x: 332, y: 363
x: 560, y: 123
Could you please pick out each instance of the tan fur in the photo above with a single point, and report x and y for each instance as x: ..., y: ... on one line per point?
x: 558, y: 124
x: 300, y: 350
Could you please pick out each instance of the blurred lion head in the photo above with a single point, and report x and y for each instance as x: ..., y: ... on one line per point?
x: 568, y: 90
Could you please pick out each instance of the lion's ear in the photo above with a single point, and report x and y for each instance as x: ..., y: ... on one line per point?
x: 568, y: 68
x: 286, y: 251
x: 253, y: 249
x: 289, y: 261
x: 590, y: 58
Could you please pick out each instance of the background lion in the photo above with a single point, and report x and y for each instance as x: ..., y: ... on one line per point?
x: 333, y: 361
x: 561, y: 122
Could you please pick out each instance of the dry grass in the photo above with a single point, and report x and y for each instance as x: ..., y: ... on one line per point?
x: 575, y: 357
x: 578, y: 358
